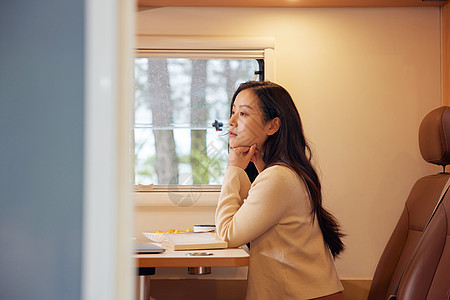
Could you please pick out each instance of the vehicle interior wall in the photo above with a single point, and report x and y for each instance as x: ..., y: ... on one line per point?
x: 41, y: 160
x: 362, y: 79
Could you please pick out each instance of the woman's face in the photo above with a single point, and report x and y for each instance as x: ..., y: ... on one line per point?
x: 247, y: 126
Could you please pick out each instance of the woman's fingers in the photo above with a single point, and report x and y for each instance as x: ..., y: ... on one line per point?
x: 245, y: 150
x: 251, y: 151
x: 256, y: 153
x: 241, y: 156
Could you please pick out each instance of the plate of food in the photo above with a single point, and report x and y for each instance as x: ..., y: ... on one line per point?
x: 158, y: 235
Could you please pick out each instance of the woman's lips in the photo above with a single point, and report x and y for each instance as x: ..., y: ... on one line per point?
x: 232, y: 134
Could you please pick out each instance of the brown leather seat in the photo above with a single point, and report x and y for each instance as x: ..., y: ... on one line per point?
x: 428, y: 274
x: 434, y: 142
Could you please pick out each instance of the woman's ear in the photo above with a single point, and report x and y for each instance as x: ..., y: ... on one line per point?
x: 274, y: 126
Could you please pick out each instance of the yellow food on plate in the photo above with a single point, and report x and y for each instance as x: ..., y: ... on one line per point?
x: 175, y: 231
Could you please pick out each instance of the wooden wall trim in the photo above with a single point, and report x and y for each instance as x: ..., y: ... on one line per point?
x: 446, y: 55
x: 288, y: 3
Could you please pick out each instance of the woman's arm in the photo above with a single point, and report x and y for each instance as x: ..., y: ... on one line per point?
x: 241, y: 218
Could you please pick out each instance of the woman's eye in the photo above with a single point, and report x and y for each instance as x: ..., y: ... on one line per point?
x: 242, y: 114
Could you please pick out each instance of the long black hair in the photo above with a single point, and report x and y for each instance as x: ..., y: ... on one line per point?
x: 288, y: 147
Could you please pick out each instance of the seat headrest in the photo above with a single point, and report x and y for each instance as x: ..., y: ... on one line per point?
x: 434, y: 136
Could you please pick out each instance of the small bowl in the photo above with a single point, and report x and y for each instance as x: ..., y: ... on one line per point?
x: 204, y: 228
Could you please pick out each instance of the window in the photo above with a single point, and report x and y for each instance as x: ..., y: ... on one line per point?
x: 181, y: 113
x: 183, y: 87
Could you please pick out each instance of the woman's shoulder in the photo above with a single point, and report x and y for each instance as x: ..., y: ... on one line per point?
x: 281, y: 171
x: 282, y: 180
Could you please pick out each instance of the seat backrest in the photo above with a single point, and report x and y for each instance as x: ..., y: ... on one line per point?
x: 434, y: 142
x: 428, y: 274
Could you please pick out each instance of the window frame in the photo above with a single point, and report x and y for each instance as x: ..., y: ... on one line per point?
x: 197, y: 47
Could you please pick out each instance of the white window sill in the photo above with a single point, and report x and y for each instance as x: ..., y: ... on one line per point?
x: 181, y: 196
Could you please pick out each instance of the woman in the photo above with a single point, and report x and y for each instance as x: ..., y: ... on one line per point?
x: 293, y: 239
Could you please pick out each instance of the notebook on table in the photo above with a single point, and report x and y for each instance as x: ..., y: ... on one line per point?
x: 193, y: 241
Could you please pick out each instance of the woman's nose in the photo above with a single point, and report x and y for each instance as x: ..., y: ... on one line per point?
x: 232, y: 120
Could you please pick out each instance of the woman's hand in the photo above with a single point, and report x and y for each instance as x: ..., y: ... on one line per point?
x: 241, y: 156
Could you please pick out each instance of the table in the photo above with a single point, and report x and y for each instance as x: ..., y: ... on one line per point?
x: 230, y: 257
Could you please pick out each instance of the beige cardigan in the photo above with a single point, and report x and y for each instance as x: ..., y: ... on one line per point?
x: 289, y: 259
